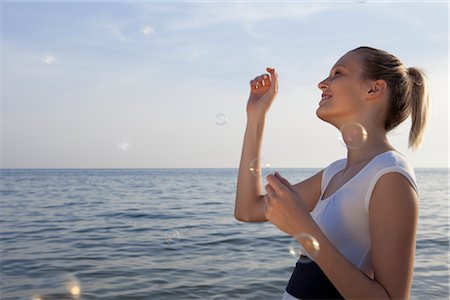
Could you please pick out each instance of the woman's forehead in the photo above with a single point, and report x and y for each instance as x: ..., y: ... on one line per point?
x: 351, y: 61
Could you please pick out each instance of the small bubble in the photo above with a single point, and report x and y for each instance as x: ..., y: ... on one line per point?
x: 220, y: 119
x: 124, y: 146
x: 353, y: 135
x: 75, y: 290
x: 49, y: 59
x: 172, y: 236
x: 304, y: 247
x: 147, y: 30
x: 259, y: 167
x: 73, y: 287
x: 59, y: 285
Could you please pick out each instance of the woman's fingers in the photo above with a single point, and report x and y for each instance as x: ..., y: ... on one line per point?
x: 283, y: 180
x: 267, y: 206
x: 274, y: 76
x: 261, y: 82
x: 270, y: 191
x: 275, y: 183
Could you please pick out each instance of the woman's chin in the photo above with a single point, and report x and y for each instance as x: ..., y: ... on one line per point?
x: 326, y: 116
x: 321, y: 114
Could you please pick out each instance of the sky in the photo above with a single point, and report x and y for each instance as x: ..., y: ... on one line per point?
x: 165, y: 84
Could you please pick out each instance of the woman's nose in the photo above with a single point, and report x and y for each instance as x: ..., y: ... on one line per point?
x: 323, y: 84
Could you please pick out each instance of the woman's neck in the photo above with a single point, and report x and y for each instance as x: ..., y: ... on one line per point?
x: 375, y: 144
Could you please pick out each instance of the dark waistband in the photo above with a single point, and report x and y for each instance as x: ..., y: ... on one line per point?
x: 309, y: 282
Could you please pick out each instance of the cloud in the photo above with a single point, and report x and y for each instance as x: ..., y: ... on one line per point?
x: 440, y: 37
x: 246, y: 13
x: 116, y: 32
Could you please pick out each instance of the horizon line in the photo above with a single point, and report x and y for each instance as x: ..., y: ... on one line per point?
x: 170, y: 168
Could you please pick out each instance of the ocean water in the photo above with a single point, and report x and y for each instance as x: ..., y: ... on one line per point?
x: 167, y: 234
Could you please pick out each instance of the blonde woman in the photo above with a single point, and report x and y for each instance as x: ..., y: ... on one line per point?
x: 362, y: 209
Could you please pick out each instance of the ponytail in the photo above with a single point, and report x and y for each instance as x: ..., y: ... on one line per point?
x: 407, y: 87
x: 419, y: 106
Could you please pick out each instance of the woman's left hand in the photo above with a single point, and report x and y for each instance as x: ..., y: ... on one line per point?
x: 284, y: 207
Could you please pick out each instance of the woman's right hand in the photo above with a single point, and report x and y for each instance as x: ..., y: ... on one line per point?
x: 263, y: 90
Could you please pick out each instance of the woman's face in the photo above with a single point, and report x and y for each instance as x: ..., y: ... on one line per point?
x: 343, y: 91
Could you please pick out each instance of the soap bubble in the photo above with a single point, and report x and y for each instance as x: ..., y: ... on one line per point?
x: 147, y: 30
x: 353, y: 135
x: 304, y: 247
x: 259, y: 167
x: 59, y: 285
x: 220, y: 119
x: 124, y: 146
x: 172, y: 236
x: 49, y: 59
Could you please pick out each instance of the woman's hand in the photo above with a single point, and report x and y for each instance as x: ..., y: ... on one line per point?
x: 285, y: 208
x: 263, y: 90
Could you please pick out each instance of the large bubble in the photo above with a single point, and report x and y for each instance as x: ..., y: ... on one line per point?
x: 259, y: 167
x: 304, y: 247
x: 353, y: 135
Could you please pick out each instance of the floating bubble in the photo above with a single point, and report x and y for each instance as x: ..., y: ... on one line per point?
x: 74, y: 289
x: 259, y: 167
x: 147, y: 30
x: 172, y: 236
x: 353, y: 135
x: 57, y: 286
x: 124, y: 146
x: 220, y: 119
x: 49, y: 59
x: 304, y: 247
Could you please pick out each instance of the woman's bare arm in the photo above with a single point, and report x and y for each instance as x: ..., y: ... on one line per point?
x: 249, y: 205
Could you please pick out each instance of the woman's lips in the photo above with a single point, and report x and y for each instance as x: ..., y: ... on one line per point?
x: 325, y: 97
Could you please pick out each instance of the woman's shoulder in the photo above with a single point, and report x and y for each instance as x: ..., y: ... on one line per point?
x: 392, y: 162
x: 393, y: 159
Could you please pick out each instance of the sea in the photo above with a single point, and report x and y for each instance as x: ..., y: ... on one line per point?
x: 167, y: 234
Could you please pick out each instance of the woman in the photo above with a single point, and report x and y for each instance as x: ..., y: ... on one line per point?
x: 363, y: 209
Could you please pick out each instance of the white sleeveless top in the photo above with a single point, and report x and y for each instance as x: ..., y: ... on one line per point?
x: 344, y: 215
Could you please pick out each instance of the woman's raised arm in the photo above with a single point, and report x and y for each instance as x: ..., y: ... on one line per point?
x: 249, y: 205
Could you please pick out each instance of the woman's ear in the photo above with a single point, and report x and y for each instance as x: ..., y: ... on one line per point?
x: 377, y: 89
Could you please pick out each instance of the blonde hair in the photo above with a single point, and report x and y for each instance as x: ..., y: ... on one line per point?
x: 408, y: 91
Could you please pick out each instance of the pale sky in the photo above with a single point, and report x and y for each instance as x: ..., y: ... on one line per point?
x: 138, y: 84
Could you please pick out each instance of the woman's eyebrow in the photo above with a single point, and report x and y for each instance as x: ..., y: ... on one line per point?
x: 338, y: 66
